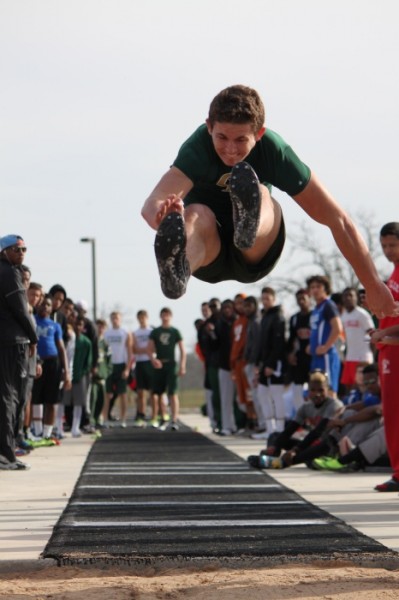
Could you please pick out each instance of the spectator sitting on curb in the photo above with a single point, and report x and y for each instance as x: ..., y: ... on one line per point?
x: 341, y: 433
x: 372, y: 451
x: 316, y: 412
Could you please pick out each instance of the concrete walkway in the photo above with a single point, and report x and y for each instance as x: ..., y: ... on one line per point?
x: 32, y: 501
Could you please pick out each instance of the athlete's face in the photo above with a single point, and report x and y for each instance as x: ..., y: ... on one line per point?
x: 239, y: 305
x: 101, y: 329
x: 16, y: 254
x: 228, y: 310
x: 268, y: 300
x: 317, y: 392
x: 79, y: 326
x: 143, y: 321
x: 44, y: 309
x: 166, y: 319
x: 233, y: 141
x: 350, y: 300
x: 317, y: 291
x: 115, y: 320
x: 249, y: 309
x: 205, y: 310
x: 390, y: 247
x: 58, y: 299
x: 371, y: 383
x: 303, y: 302
x: 34, y: 297
x: 67, y: 308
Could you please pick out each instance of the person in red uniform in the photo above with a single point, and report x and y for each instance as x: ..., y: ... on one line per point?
x: 387, y: 339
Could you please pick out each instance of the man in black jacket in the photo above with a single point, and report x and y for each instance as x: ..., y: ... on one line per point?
x: 272, y: 362
x: 17, y: 338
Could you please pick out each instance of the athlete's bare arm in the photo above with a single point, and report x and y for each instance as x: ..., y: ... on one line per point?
x: 318, y: 203
x: 203, y: 243
x: 336, y: 330
x: 183, y: 358
x: 167, y: 196
x: 388, y: 336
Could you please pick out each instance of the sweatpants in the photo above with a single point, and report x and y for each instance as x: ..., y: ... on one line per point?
x: 374, y: 447
x: 13, y: 372
x: 227, y: 392
x: 388, y: 362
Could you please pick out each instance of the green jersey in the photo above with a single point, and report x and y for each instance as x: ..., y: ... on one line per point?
x: 82, y: 359
x: 273, y: 160
x: 104, y: 364
x: 165, y: 340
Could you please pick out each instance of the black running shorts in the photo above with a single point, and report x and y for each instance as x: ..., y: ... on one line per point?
x: 230, y: 263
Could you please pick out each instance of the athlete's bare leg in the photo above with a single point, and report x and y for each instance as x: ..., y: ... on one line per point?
x: 269, y: 226
x: 203, y: 242
x: 188, y: 239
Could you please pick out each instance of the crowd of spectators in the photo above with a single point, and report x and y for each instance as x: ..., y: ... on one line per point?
x: 317, y: 386
x: 61, y: 372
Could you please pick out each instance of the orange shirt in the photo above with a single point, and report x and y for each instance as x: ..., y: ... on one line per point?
x: 239, y: 337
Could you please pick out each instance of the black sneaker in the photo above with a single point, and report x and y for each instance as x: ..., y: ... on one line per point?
x: 170, y: 252
x: 21, y: 466
x: 254, y: 461
x: 245, y: 197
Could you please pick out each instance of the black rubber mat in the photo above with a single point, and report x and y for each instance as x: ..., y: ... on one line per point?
x: 147, y: 495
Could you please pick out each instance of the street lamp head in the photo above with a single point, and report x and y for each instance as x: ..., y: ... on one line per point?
x: 87, y: 239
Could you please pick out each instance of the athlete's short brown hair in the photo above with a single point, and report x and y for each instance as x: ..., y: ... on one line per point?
x: 238, y: 104
x: 391, y: 228
x: 322, y: 280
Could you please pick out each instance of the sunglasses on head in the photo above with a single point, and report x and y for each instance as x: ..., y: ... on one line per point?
x: 18, y: 249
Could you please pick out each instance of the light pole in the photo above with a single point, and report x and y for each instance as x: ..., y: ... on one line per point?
x: 92, y: 241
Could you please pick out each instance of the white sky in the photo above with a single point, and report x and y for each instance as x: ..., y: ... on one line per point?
x: 97, y: 96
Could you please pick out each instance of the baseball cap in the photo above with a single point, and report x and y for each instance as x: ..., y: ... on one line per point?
x: 11, y: 240
x: 82, y: 305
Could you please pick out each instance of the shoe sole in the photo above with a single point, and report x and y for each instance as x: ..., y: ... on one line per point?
x: 170, y: 253
x: 317, y: 467
x: 21, y: 466
x: 245, y: 198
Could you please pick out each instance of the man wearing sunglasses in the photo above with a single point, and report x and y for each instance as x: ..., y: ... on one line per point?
x: 17, y: 336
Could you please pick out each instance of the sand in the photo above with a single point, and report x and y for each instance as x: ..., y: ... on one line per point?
x: 299, y: 582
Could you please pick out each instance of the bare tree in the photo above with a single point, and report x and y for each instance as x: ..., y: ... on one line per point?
x: 310, y: 252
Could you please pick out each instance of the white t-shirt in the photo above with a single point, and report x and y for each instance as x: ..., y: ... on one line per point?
x: 141, y: 336
x: 116, y: 340
x: 356, y: 324
x: 70, y: 351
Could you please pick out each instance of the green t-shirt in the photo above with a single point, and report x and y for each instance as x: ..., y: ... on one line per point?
x: 82, y: 359
x: 165, y: 340
x: 273, y: 160
x: 104, y: 364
